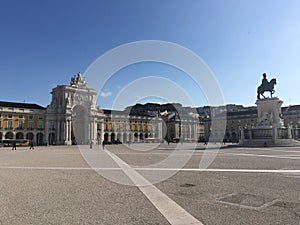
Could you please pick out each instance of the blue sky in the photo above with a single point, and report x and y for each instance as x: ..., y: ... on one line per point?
x: 44, y: 43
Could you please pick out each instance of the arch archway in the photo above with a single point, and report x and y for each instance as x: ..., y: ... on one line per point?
x: 80, y: 125
x: 106, y: 137
x: 112, y: 136
x: 234, y: 137
x: 9, y: 135
x: 29, y: 136
x: 19, y: 135
x: 51, y: 138
x: 39, y: 138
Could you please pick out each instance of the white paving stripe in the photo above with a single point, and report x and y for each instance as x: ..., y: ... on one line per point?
x: 267, y: 156
x: 173, y: 212
x: 155, y: 169
x: 222, y: 170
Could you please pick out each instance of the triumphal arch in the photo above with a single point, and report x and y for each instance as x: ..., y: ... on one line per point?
x: 73, y: 117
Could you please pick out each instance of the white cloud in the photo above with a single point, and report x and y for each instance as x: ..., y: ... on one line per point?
x: 104, y: 94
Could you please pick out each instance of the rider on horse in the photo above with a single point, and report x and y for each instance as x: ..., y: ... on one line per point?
x: 265, y: 81
x: 266, y: 86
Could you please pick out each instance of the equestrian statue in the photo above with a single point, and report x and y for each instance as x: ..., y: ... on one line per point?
x: 266, y: 86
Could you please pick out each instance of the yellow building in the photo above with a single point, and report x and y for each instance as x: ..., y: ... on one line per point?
x: 22, y: 121
x: 124, y: 126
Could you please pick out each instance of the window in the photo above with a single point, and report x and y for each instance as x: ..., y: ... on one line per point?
x: 20, y: 124
x: 20, y: 116
x: 30, y: 124
x: 106, y: 124
x: 30, y: 117
x: 40, y: 124
x: 9, y: 115
x: 9, y: 124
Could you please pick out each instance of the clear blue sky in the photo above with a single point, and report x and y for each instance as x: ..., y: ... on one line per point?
x: 44, y: 43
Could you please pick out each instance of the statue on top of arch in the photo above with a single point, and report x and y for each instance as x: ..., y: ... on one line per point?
x: 78, y: 81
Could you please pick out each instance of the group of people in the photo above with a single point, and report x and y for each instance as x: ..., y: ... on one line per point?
x: 31, y: 146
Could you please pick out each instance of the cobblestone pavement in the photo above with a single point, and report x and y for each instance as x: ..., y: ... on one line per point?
x: 56, y: 185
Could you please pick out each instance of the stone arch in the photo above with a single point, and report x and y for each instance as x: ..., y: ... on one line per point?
x: 79, y: 125
x: 39, y: 138
x: 106, y: 137
x: 227, y: 136
x: 136, y: 136
x: 234, y: 136
x: 29, y: 136
x: 19, y: 135
x: 51, y: 138
x: 112, y: 136
x: 9, y: 135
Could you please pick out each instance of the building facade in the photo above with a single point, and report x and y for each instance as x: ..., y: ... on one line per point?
x: 182, y: 126
x: 73, y: 117
x: 22, y: 121
x: 240, y: 117
x: 128, y: 127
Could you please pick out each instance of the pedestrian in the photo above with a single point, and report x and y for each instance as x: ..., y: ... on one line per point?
x: 103, y: 144
x: 31, y: 144
x: 14, y: 146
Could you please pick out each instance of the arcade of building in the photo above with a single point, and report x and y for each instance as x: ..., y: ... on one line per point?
x: 73, y: 117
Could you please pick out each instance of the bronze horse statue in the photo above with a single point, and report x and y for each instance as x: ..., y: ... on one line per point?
x: 268, y: 87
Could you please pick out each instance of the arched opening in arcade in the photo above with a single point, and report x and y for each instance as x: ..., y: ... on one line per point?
x: 39, y: 138
x: 112, y: 137
x: 29, y: 136
x: 9, y: 135
x: 106, y: 137
x: 51, y: 138
x: 234, y: 137
x: 136, y: 137
x: 19, y: 135
x: 141, y: 136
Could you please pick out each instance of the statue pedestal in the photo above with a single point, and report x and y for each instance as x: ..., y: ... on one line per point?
x: 269, y: 113
x: 269, y: 130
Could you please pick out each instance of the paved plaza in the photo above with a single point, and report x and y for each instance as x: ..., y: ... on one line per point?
x: 71, y: 185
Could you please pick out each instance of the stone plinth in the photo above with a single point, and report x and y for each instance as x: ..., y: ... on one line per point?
x: 269, y: 113
x: 269, y: 130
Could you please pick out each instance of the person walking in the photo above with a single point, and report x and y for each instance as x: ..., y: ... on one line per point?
x: 31, y: 144
x: 14, y: 146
